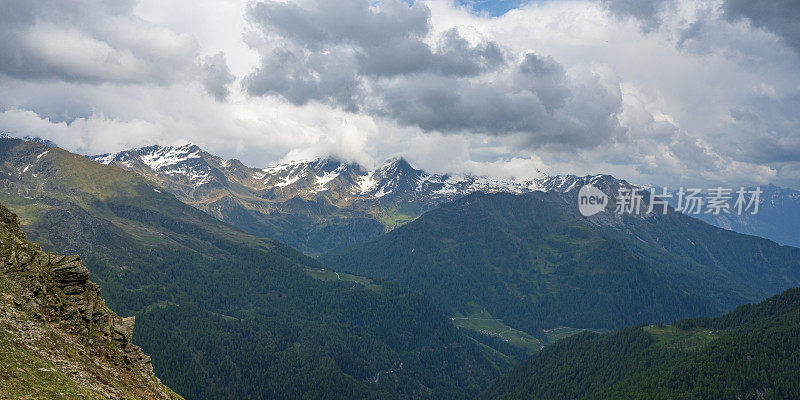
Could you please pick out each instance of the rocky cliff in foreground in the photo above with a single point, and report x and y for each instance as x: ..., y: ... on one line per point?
x: 58, y: 339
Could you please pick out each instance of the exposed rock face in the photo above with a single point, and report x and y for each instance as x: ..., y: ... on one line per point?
x: 51, y: 295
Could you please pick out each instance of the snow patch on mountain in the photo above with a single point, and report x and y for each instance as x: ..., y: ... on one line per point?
x: 105, y: 159
x: 289, y: 180
x: 326, y: 177
x: 163, y: 157
x: 197, y: 176
x: 365, y: 183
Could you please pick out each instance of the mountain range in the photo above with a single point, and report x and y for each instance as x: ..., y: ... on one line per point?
x: 315, y: 205
x: 527, y: 262
x: 326, y: 204
x: 225, y: 314
x: 46, y: 142
x: 777, y: 217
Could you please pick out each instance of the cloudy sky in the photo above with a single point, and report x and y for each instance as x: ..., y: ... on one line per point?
x: 671, y: 92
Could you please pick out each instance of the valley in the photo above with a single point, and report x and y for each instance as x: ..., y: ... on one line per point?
x: 502, y: 276
x: 485, y: 325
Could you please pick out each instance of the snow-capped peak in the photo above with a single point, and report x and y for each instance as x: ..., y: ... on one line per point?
x: 185, y: 160
x: 392, y: 180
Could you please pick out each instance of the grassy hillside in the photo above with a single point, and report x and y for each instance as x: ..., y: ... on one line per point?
x: 229, y: 315
x: 750, y: 353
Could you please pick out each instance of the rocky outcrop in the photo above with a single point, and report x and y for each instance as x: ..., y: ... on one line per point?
x: 51, y: 294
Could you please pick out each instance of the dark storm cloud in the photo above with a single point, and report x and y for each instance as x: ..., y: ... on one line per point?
x: 216, y: 76
x: 323, y: 22
x: 781, y: 17
x: 300, y: 78
x: 381, y: 59
x: 453, y: 56
x: 534, y: 97
x: 645, y: 11
x: 60, y: 107
x: 15, y: 14
x: 88, y: 41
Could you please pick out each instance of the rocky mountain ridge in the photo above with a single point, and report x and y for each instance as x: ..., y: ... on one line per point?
x: 315, y: 205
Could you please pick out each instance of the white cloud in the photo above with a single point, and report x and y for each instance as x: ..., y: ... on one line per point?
x: 85, y: 41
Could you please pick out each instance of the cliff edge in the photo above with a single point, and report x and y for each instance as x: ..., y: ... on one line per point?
x: 58, y: 339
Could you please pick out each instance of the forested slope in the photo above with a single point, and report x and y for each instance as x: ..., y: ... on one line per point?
x: 750, y: 353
